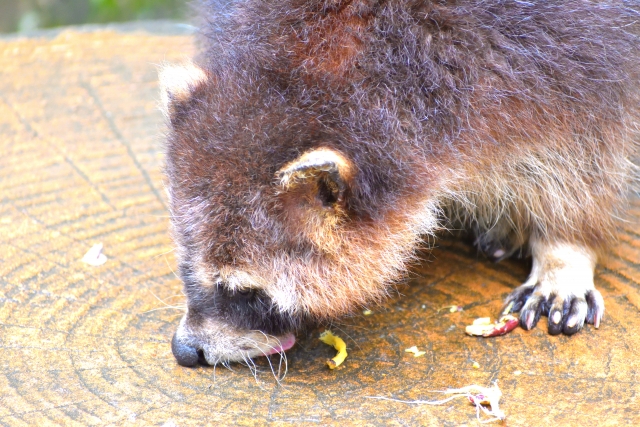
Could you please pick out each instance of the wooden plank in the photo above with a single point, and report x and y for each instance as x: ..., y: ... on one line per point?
x: 81, y: 345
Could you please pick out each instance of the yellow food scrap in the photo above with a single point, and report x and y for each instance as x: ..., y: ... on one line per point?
x: 327, y: 337
x: 415, y: 351
x: 367, y: 312
x: 451, y: 308
x: 476, y: 365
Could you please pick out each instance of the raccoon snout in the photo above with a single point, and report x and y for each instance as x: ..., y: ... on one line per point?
x: 184, y: 353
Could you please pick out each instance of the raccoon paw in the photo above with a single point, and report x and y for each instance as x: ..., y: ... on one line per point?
x: 561, y: 287
x: 567, y: 312
x: 497, y: 244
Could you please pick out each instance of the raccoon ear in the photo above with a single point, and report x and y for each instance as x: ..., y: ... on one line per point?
x: 324, y: 173
x: 177, y: 83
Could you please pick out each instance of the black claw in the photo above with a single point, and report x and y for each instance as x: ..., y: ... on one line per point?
x: 519, y: 297
x: 592, y: 309
x: 184, y: 354
x: 536, y: 306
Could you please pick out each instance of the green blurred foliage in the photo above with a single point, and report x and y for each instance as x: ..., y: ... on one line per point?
x: 119, y: 10
x: 26, y: 15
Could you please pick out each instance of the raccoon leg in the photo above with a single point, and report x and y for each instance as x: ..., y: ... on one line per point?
x: 560, y: 286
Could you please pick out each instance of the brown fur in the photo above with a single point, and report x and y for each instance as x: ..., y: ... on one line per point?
x: 515, y: 119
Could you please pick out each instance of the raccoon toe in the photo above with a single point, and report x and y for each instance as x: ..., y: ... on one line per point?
x: 595, y: 307
x: 531, y: 311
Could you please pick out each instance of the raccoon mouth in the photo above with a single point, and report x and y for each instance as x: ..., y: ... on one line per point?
x: 286, y: 342
x: 188, y: 355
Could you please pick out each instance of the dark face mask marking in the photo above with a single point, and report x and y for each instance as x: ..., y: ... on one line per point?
x: 249, y: 309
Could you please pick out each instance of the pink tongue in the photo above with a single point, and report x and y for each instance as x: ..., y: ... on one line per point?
x: 286, y: 342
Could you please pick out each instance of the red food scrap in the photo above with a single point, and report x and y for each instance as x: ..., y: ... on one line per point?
x: 485, y: 328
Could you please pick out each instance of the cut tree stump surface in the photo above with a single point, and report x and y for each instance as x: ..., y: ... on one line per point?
x: 81, y: 164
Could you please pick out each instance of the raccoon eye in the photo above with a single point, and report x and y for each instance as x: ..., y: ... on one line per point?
x: 245, y: 292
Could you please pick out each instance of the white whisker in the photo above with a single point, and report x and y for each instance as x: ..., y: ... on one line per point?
x: 180, y: 307
x: 280, y: 351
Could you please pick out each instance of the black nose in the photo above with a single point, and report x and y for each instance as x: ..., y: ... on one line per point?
x: 185, y: 354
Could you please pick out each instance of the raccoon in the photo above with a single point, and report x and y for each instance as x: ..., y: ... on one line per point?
x: 313, y: 146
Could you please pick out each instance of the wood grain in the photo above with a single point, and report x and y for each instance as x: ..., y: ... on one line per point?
x: 81, y: 142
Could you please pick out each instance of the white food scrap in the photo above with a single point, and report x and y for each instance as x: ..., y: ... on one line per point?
x: 94, y: 256
x: 415, y: 351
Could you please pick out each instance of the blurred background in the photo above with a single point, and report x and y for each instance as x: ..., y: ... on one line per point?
x: 29, y: 15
